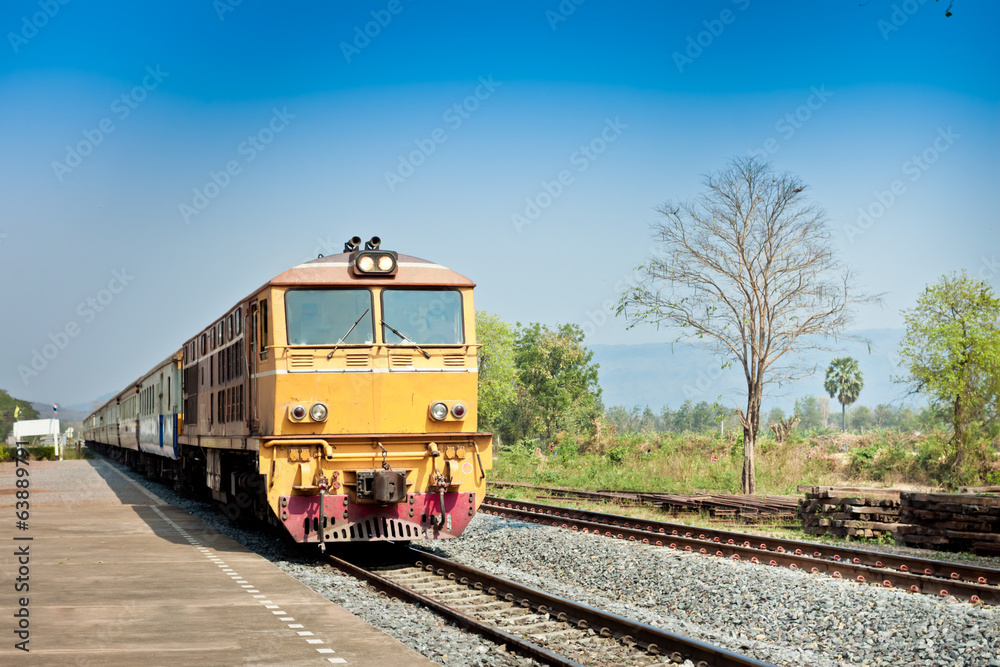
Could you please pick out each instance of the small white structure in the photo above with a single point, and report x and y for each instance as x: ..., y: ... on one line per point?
x: 43, y: 427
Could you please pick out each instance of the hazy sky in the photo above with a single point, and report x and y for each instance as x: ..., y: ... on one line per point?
x: 159, y: 162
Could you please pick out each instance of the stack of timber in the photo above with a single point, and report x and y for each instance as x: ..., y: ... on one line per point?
x: 849, y: 511
x: 951, y: 522
x: 747, y: 509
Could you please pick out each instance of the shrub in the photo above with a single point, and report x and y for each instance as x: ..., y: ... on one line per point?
x: 617, y: 454
x: 43, y: 453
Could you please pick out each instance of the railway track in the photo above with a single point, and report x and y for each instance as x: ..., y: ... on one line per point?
x: 549, y: 629
x: 919, y: 575
x: 747, y: 508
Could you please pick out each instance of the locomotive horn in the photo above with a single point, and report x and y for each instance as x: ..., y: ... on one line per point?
x: 352, y: 244
x: 373, y: 244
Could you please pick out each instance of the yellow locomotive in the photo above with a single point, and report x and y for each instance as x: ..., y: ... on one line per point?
x: 339, y: 399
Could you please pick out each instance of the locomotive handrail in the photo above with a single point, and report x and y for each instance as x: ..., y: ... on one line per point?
x: 298, y: 443
x: 394, y: 455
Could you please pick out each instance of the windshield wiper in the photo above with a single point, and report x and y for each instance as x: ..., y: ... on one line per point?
x: 330, y: 356
x: 407, y: 341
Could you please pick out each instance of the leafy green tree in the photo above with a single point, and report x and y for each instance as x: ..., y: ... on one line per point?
x: 749, y: 268
x: 647, y: 423
x: 7, y: 405
x: 862, y: 418
x: 497, y: 372
x: 555, y: 371
x: 684, y: 417
x: 807, y: 408
x: 702, y: 417
x: 666, y: 418
x: 775, y: 415
x: 951, y: 353
x: 619, y: 416
x: 882, y: 416
x: 843, y: 381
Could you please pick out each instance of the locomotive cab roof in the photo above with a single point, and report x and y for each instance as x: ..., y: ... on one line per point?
x: 341, y: 269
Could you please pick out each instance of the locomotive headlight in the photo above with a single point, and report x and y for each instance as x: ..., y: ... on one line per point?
x: 298, y: 412
x: 458, y: 411
x: 374, y: 263
x: 439, y: 411
x: 318, y: 412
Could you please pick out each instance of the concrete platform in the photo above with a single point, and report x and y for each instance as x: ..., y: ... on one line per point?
x: 119, y: 578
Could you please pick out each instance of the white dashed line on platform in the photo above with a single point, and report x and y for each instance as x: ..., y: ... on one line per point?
x: 211, y: 557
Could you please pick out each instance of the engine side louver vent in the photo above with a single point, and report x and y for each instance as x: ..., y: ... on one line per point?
x: 397, y: 360
x: 454, y: 360
x: 358, y: 359
x: 301, y: 361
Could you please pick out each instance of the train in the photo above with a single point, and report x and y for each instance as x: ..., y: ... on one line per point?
x: 338, y: 400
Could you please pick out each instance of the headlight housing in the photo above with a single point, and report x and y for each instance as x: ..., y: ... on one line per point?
x: 297, y: 412
x: 318, y: 412
x: 439, y: 411
x: 458, y: 411
x: 374, y: 263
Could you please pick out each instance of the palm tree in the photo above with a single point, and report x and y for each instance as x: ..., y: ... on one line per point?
x: 843, y: 380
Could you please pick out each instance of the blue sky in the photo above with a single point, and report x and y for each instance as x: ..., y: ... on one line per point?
x: 199, y: 148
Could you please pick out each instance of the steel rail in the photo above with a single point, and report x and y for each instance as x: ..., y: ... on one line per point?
x: 918, y: 575
x: 653, y: 640
x: 463, y: 621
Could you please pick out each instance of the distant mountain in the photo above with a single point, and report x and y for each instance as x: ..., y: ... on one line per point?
x: 658, y: 374
x: 87, y: 408
x: 65, y: 414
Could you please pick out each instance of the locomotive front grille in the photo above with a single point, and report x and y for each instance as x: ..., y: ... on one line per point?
x: 454, y: 360
x: 376, y: 528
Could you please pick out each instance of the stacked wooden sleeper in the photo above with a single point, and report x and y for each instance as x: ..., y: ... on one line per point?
x: 951, y: 522
x: 849, y: 511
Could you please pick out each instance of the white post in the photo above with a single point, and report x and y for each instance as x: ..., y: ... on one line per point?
x: 55, y: 439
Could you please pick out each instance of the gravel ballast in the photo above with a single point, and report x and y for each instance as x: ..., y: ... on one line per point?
x: 776, y: 615
x: 773, y: 614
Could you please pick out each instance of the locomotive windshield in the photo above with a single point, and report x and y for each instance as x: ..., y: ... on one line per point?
x: 324, y: 317
x: 424, y: 317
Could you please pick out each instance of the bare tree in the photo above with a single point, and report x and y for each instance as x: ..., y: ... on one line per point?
x: 749, y: 267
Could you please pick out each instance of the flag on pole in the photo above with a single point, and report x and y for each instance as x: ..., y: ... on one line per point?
x: 55, y: 410
x: 17, y: 411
